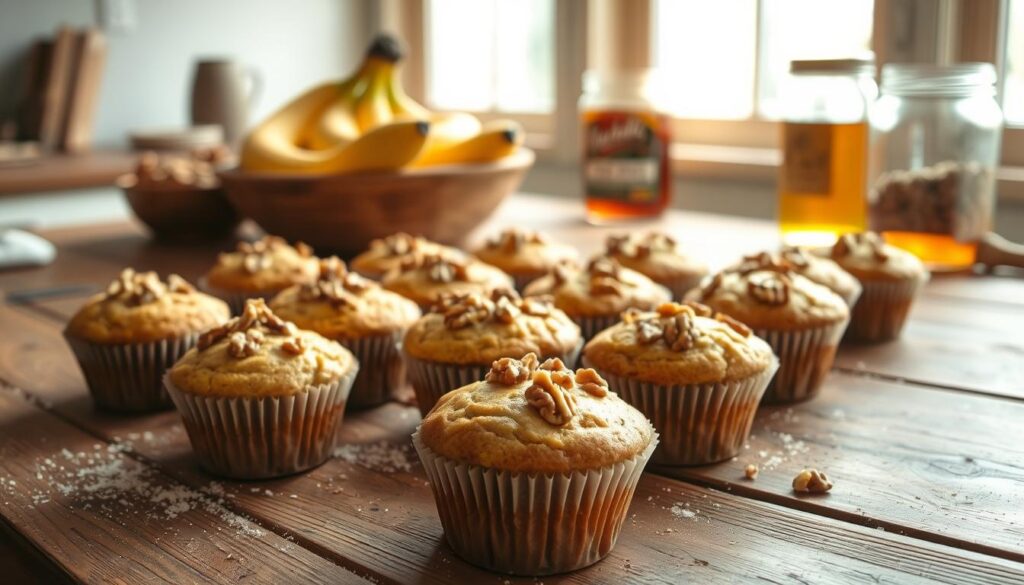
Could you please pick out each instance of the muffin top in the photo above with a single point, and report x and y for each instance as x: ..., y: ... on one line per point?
x: 519, y: 251
x: 654, y: 254
x: 475, y: 328
x: 138, y: 308
x: 425, y: 278
x: 765, y: 293
x: 679, y: 344
x: 386, y: 254
x: 257, y: 354
x: 868, y: 257
x: 342, y: 305
x: 820, y: 270
x: 602, y: 288
x: 532, y: 417
x: 266, y: 265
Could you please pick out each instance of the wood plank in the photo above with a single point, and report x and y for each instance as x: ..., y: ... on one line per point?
x: 57, y: 172
x: 101, y: 516
x: 384, y: 521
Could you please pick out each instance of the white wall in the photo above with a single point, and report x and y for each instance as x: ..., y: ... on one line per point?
x: 148, y: 74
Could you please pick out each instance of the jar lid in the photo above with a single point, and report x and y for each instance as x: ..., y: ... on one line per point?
x: 938, y: 80
x: 849, y: 66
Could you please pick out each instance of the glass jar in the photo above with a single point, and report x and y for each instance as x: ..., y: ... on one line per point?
x: 936, y: 133
x: 823, y: 177
x: 626, y: 139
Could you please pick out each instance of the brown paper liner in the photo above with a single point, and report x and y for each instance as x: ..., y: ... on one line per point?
x: 591, y: 326
x: 235, y: 299
x: 127, y: 377
x: 805, y: 358
x: 381, y: 369
x: 697, y: 423
x: 882, y: 310
x: 256, y: 438
x: 526, y: 524
x: 432, y: 380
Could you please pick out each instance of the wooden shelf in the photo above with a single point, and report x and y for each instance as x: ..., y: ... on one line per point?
x: 66, y: 171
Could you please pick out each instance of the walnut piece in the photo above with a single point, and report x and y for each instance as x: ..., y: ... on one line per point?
x: 591, y: 382
x: 711, y: 286
x: 335, y: 284
x: 512, y: 372
x: 750, y: 471
x: 811, y: 481
x: 673, y: 323
x: 639, y: 246
x: 242, y: 344
x: 246, y: 333
x: 554, y: 404
x: 865, y: 243
x: 769, y: 288
x: 502, y: 306
x: 294, y: 346
x: 137, y: 288
x: 734, y: 324
x: 438, y: 267
x: 256, y: 256
x: 398, y: 244
x: 511, y: 240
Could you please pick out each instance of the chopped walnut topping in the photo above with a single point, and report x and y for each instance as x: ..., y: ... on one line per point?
x: 711, y: 286
x: 256, y: 255
x: 591, y: 382
x: 438, y: 267
x: 796, y: 256
x: 138, y: 288
x: 335, y: 285
x: 398, y: 244
x: 680, y: 332
x: 699, y: 309
x: 605, y: 276
x: 562, y: 272
x: 505, y: 311
x: 639, y: 246
x: 511, y: 240
x: 854, y: 243
x: 763, y: 261
x: 769, y: 288
x: 551, y: 401
x: 511, y: 372
x: 736, y: 326
x: 750, y: 471
x: 811, y: 481
x: 294, y: 346
x: 242, y: 344
x: 673, y: 323
x: 539, y: 306
x: 246, y: 333
x: 503, y: 306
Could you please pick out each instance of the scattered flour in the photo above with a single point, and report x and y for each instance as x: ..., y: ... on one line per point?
x: 381, y: 456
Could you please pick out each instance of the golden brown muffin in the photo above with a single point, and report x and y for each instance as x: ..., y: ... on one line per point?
x: 536, y: 418
x: 603, y: 288
x: 425, y: 278
x: 822, y: 271
x: 766, y: 293
x: 867, y: 257
x: 679, y: 344
x: 657, y: 256
x: 478, y: 329
x: 524, y: 255
x: 138, y: 308
x: 386, y: 254
x: 264, y: 266
x: 342, y: 305
x: 257, y: 354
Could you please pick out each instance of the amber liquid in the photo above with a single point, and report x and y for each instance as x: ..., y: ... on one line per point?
x: 815, y: 212
x: 940, y: 253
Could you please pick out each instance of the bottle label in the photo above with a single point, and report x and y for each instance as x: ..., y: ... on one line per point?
x: 625, y: 157
x: 807, y: 159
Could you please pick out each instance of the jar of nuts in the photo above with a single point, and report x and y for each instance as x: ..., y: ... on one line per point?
x: 936, y: 132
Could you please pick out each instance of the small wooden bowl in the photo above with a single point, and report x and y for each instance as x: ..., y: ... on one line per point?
x: 177, y: 214
x: 342, y: 213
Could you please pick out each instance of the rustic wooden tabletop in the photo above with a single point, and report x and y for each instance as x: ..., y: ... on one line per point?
x: 923, y: 438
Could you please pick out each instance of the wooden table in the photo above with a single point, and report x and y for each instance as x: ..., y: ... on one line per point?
x: 924, y: 438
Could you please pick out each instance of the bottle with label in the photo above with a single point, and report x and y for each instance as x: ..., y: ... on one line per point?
x: 626, y: 173
x: 823, y: 178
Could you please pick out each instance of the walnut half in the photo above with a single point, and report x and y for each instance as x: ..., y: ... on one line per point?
x: 554, y: 404
x: 811, y: 481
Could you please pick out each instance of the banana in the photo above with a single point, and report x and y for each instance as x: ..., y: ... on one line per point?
x: 372, y: 108
x: 497, y: 139
x: 277, y: 136
x: 401, y: 103
x: 336, y: 125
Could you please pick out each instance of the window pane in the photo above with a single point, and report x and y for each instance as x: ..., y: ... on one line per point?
x: 491, y: 55
x: 707, y: 56
x: 807, y: 29
x: 1013, y: 88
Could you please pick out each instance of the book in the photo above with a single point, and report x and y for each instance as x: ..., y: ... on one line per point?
x: 87, y: 64
x: 55, y: 88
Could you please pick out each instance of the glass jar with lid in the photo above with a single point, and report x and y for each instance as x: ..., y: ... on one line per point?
x: 936, y: 133
x: 823, y: 177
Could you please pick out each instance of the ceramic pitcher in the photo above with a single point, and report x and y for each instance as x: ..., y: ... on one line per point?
x: 222, y: 93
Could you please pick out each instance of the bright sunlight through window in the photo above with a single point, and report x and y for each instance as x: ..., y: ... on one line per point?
x: 1013, y: 88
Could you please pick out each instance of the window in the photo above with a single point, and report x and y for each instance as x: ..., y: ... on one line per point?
x: 1013, y: 76
x: 490, y: 55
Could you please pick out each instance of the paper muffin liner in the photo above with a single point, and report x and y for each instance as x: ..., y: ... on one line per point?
x: 235, y: 299
x: 882, y: 310
x: 531, y: 524
x: 851, y: 297
x: 591, y: 326
x: 381, y: 369
x: 698, y: 423
x: 127, y: 377
x: 431, y: 380
x: 680, y: 285
x: 261, y: 437
x: 805, y: 358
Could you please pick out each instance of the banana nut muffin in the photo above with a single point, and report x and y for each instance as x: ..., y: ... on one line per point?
x: 801, y: 320
x: 891, y: 278
x: 819, y: 270
x: 359, y: 314
x: 595, y: 295
x: 456, y: 342
x: 386, y: 254
x: 696, y: 374
x: 524, y: 255
x: 657, y: 256
x: 259, y: 269
x: 127, y: 336
x: 426, y: 278
x: 528, y: 420
x: 260, y: 397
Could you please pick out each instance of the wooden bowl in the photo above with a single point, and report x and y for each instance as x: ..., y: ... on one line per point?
x: 177, y: 214
x: 342, y: 213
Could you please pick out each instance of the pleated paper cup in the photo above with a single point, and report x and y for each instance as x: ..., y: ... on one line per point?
x: 531, y: 524
x: 432, y: 380
x: 805, y: 358
x: 127, y: 377
x: 698, y: 423
x: 235, y: 299
x: 882, y: 310
x: 591, y: 326
x: 381, y: 369
x: 261, y: 437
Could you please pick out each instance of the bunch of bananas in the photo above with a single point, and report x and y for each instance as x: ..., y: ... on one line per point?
x: 367, y: 122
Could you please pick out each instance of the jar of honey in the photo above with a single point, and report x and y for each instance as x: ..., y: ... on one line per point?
x: 626, y: 140
x: 823, y: 177
x: 936, y: 136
